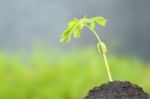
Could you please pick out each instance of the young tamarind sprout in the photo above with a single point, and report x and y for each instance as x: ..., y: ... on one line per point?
x: 75, y: 27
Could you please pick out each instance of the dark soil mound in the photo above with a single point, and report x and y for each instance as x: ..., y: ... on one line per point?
x: 117, y: 90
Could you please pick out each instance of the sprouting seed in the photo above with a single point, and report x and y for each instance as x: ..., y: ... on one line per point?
x: 75, y: 27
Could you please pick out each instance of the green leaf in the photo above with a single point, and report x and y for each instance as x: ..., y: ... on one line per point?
x: 73, y: 23
x: 102, y: 22
x: 66, y: 35
x: 99, y: 20
x: 76, y: 34
x: 92, y: 25
x: 75, y: 27
x: 65, y: 38
x: 77, y: 31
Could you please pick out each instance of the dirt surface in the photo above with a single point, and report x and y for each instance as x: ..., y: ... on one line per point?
x: 117, y: 90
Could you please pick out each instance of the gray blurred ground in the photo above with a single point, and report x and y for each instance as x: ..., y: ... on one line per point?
x: 24, y: 23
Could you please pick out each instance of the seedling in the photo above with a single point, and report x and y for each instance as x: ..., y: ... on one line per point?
x: 75, y: 27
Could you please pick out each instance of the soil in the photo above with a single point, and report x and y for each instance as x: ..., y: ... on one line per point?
x: 117, y: 90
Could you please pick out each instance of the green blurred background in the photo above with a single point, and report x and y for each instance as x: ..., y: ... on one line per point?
x: 55, y: 74
x: 35, y: 65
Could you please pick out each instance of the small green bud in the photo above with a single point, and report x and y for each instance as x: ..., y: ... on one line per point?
x: 102, y: 47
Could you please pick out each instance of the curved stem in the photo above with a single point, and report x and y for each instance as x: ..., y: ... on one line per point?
x: 104, y: 55
x: 98, y: 38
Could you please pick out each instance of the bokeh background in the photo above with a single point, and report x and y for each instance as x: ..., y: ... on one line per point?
x: 35, y: 65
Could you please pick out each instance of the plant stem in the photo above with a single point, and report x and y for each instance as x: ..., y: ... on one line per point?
x: 95, y: 33
x: 107, y: 67
x: 103, y: 54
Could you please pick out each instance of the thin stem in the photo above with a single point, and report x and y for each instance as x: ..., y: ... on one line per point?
x: 95, y: 33
x: 107, y: 67
x: 104, y: 55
